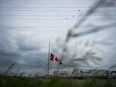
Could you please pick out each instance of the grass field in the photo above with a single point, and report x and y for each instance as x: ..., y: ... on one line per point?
x: 55, y: 82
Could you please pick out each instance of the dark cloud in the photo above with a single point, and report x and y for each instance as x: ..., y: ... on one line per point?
x: 20, y: 50
x: 9, y: 54
x: 26, y: 48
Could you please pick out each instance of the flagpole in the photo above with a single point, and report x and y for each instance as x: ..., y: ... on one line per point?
x: 48, y: 57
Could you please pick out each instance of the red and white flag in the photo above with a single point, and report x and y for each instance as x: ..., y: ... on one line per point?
x: 55, y: 58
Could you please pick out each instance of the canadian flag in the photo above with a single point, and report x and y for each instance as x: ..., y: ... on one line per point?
x: 55, y: 58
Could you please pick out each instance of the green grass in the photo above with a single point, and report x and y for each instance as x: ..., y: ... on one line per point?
x: 19, y: 82
x: 55, y: 82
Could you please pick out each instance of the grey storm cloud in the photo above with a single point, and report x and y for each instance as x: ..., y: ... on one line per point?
x: 9, y: 54
x: 24, y: 45
x: 25, y: 53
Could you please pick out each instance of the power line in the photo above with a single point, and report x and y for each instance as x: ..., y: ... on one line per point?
x: 39, y: 27
x: 48, y: 15
x: 55, y: 15
x: 51, y: 19
x: 46, y: 27
x: 48, y: 7
x: 49, y: 10
x: 59, y: 10
x: 39, y: 15
x: 45, y: 7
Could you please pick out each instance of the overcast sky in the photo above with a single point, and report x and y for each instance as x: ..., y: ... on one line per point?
x: 27, y: 25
